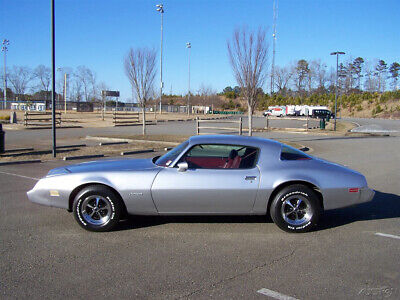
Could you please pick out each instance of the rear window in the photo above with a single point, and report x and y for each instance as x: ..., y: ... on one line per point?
x: 289, y: 153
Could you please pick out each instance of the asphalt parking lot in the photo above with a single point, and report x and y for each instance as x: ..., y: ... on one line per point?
x: 353, y: 254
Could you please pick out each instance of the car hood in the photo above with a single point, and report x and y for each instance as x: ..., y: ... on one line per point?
x: 106, y: 166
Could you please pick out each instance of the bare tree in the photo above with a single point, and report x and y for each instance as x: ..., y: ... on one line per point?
x: 204, y: 92
x: 320, y: 73
x: 282, y: 78
x: 248, y: 57
x: 88, y: 80
x: 43, y: 75
x: 76, y: 91
x: 19, y: 77
x: 140, y: 68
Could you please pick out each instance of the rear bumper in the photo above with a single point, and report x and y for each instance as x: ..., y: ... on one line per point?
x: 339, y: 198
x: 366, y: 194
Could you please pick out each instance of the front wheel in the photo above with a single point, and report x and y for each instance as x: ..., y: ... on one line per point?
x: 97, y: 208
x: 296, y: 208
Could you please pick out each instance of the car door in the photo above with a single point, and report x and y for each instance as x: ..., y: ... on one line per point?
x: 214, y: 183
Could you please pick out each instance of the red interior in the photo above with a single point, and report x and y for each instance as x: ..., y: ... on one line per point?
x: 214, y: 162
x: 208, y: 162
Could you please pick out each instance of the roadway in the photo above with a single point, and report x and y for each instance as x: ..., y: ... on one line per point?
x: 353, y: 254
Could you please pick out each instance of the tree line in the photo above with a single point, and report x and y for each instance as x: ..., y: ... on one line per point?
x: 35, y: 83
x: 304, y: 78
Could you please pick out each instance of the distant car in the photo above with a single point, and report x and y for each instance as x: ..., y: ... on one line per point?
x: 322, y: 114
x: 205, y: 175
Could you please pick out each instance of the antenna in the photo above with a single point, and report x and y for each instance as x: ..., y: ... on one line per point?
x: 275, y: 8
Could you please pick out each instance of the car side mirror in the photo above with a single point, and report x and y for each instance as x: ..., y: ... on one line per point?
x: 183, y: 166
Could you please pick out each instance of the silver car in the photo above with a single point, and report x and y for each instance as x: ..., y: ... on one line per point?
x: 205, y: 175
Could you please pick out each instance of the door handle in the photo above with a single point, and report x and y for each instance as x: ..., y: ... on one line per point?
x: 250, y: 177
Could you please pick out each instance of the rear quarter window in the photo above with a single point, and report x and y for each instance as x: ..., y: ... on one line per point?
x: 289, y: 153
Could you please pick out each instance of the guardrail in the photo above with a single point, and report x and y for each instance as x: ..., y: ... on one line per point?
x: 238, y: 129
x: 125, y: 118
x: 32, y: 118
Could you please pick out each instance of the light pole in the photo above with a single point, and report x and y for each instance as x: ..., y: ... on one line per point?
x: 4, y: 48
x: 337, y: 53
x: 53, y: 77
x: 160, y: 8
x: 189, y: 46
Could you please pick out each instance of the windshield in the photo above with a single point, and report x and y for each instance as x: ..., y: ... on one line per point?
x: 170, y: 156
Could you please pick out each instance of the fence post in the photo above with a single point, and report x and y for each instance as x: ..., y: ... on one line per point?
x: 197, y: 126
x: 267, y: 122
x: 25, y: 118
x: 240, y: 126
x: 307, y: 121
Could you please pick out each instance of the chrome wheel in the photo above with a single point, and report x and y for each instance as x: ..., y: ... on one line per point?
x: 96, y: 210
x: 296, y: 210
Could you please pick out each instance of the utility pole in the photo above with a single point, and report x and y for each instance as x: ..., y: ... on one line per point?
x: 189, y: 46
x: 337, y: 53
x: 4, y: 48
x: 275, y: 8
x: 53, y: 80
x: 160, y: 8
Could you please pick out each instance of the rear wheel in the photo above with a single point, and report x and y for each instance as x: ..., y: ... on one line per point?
x: 296, y: 208
x: 97, y: 208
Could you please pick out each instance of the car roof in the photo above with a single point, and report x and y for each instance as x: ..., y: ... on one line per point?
x: 234, y: 139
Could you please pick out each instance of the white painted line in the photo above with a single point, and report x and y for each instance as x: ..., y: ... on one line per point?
x: 275, y: 295
x: 388, y: 235
x: 22, y: 176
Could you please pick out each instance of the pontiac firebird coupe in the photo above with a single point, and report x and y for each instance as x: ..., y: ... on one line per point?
x: 205, y: 175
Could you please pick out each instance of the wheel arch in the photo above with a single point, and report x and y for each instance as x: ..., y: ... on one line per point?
x: 82, y: 186
x: 281, y: 186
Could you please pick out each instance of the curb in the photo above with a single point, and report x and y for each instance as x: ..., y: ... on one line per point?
x: 18, y: 150
x: 82, y: 156
x: 113, y: 143
x: 137, y: 152
x: 19, y: 162
x: 71, y: 146
x: 107, y: 139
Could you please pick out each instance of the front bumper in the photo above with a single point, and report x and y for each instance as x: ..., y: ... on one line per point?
x: 42, y: 194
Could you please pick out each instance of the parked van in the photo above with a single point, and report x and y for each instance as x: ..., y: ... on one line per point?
x: 322, y: 114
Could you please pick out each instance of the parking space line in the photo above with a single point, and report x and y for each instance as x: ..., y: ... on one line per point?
x: 22, y: 176
x: 275, y: 295
x: 388, y: 235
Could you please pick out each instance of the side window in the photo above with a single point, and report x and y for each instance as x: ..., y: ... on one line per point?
x: 214, y: 156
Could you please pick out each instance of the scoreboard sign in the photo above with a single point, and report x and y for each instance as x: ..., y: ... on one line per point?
x: 110, y: 93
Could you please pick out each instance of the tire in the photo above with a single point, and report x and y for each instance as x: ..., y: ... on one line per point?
x: 296, y: 208
x: 97, y: 208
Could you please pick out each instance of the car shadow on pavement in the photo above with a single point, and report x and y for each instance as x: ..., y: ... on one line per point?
x: 135, y: 222
x: 382, y: 206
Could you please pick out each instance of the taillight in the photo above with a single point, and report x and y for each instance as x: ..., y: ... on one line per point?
x: 354, y: 190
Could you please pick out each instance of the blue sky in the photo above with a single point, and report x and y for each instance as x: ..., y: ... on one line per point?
x: 98, y: 33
